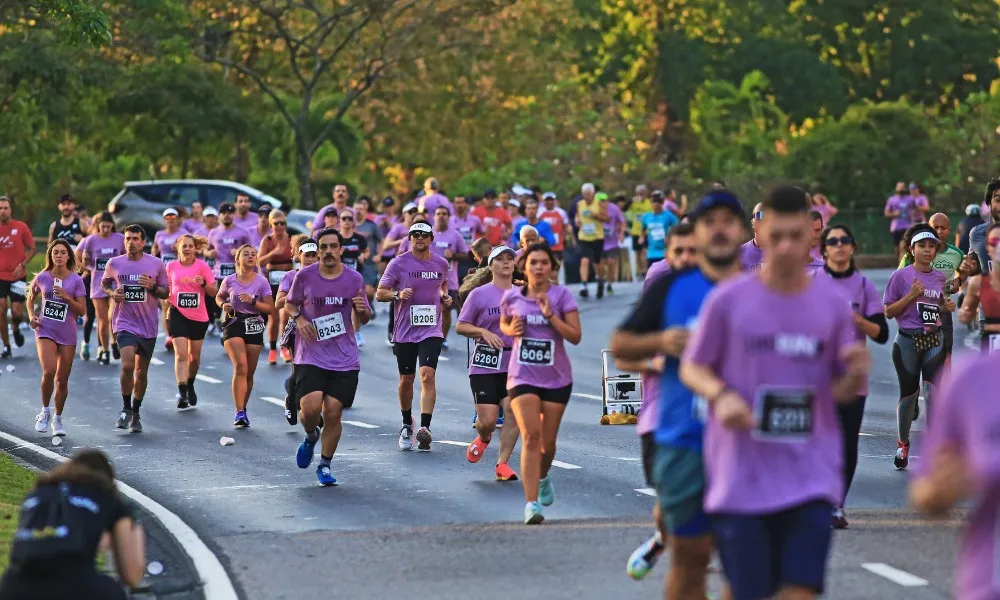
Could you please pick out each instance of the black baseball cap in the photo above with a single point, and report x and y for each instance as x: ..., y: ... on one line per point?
x: 719, y: 199
x: 490, y: 193
x: 264, y: 209
x: 387, y: 201
x: 66, y: 198
x: 227, y: 207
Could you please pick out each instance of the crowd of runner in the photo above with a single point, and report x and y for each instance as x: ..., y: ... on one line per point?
x: 753, y: 351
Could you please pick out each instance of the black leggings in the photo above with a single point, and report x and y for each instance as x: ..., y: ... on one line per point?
x: 910, y: 365
x: 850, y: 416
x: 88, y: 321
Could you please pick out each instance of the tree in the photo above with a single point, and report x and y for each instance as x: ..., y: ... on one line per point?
x: 298, y: 52
x: 78, y: 21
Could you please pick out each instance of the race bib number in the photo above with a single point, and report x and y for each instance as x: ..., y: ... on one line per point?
x: 254, y: 325
x: 101, y: 264
x: 929, y: 314
x: 466, y: 234
x: 785, y: 414
x: 329, y: 327
x: 537, y: 353
x: 423, y: 315
x: 188, y: 300
x: 657, y: 234
x: 134, y: 293
x: 993, y: 343
x: 54, y: 310
x: 19, y: 288
x: 169, y: 258
x: 487, y: 357
x: 589, y: 229
x: 274, y: 277
x: 351, y: 263
x: 227, y: 269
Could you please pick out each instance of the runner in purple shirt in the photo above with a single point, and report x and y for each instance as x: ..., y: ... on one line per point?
x: 93, y: 253
x: 962, y: 461
x: 429, y: 202
x: 135, y: 282
x: 540, y: 317
x: 916, y: 296
x: 194, y: 224
x: 165, y: 248
x: 838, y: 245
x: 614, y: 233
x: 63, y: 298
x: 306, y: 254
x: 246, y: 301
x: 223, y: 242
x: 752, y: 255
x: 263, y: 227
x: 244, y: 218
x: 902, y: 208
x: 479, y: 321
x: 323, y: 302
x: 772, y: 355
x: 398, y: 233
x: 416, y: 282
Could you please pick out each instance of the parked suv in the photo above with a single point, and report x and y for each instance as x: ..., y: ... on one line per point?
x: 143, y: 202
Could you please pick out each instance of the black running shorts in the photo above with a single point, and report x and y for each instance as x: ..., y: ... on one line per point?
x: 342, y: 385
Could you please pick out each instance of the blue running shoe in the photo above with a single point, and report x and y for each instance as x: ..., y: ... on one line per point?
x: 304, y: 455
x: 644, y: 558
x: 546, y: 495
x: 500, y: 420
x: 474, y: 417
x: 324, y: 477
x: 242, y: 420
x: 533, y: 513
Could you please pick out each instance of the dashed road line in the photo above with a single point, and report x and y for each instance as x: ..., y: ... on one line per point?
x: 894, y: 575
x: 359, y: 424
x: 646, y: 491
x: 273, y: 400
x: 564, y: 465
x: 207, y: 379
x: 452, y: 443
x: 588, y: 396
x: 156, y: 361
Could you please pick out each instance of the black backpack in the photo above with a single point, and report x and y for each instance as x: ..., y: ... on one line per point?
x: 50, y: 526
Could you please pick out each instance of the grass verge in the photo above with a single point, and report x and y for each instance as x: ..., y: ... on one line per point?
x: 15, y: 482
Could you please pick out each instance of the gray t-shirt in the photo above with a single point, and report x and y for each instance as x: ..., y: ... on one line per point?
x: 369, y: 230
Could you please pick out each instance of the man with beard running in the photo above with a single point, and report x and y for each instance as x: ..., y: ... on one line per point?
x: 69, y: 227
x: 416, y: 282
x: 223, y: 241
x: 135, y: 282
x: 660, y: 326
x: 17, y: 246
x: 325, y: 299
x: 244, y: 218
x: 353, y: 255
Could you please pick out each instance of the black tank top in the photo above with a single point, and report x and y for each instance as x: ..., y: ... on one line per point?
x: 66, y: 232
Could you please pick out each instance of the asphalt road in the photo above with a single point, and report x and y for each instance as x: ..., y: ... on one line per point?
x: 432, y: 524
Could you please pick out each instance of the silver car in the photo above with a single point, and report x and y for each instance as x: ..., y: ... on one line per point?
x: 143, y: 202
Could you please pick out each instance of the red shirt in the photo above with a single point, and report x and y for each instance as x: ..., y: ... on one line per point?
x: 555, y: 220
x: 494, y: 219
x: 15, y: 239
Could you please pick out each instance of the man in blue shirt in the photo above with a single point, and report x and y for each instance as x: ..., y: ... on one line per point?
x: 531, y: 218
x: 655, y: 226
x: 665, y: 313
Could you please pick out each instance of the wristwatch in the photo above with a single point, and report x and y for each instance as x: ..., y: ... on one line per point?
x: 395, y: 295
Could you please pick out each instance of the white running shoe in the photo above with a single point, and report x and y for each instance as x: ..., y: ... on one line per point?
x: 357, y: 338
x: 406, y: 438
x: 42, y: 421
x: 57, y: 426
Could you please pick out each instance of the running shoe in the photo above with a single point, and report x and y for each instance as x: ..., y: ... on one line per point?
x: 475, y: 450
x: 584, y: 293
x: 546, y: 494
x: 600, y: 289
x: 500, y: 420
x: 182, y: 401
x: 58, y: 429
x: 360, y: 341
x: 124, y: 417
x: 291, y: 413
x: 505, y: 473
x: 169, y: 344
x: 444, y: 344
x: 611, y: 292
x: 424, y: 439
x: 286, y: 355
x: 406, y: 438
x: 242, y: 420
x: 324, y: 476
x: 18, y: 336
x: 644, y: 558
x: 135, y: 424
x: 116, y: 352
x: 902, y: 458
x: 103, y: 357
x: 533, y: 513
x: 42, y: 422
x: 85, y: 352
x: 192, y: 396
x: 304, y: 455
x: 6, y: 352
x: 272, y: 357
x: 839, y: 519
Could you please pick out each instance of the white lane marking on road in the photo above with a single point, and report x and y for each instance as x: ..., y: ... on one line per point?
x: 588, y: 396
x: 462, y: 444
x: 564, y: 465
x: 273, y: 400
x: 360, y: 424
x: 444, y: 358
x: 628, y: 458
x: 867, y: 434
x: 206, y: 378
x: 646, y: 491
x: 156, y: 361
x: 214, y: 578
x: 894, y: 575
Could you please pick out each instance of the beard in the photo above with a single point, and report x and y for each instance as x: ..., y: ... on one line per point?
x: 723, y: 260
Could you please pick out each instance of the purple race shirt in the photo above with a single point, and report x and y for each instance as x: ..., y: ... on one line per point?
x: 418, y: 318
x: 256, y: 237
x: 165, y: 242
x: 286, y: 281
x: 327, y: 304
x: 649, y: 416
x: 469, y: 227
x: 97, y: 251
x: 232, y: 287
x: 57, y: 321
x: 482, y: 309
x: 781, y: 353
x: 753, y: 257
x: 539, y: 356
x: 138, y: 313
x: 612, y: 227
x: 815, y: 265
x: 428, y: 204
x: 908, y: 211
x: 925, y: 313
x: 398, y: 231
x: 224, y: 241
x: 248, y: 222
x: 449, y: 239
x: 963, y: 422
x: 194, y: 227
x: 864, y: 298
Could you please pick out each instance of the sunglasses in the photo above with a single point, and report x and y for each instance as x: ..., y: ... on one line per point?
x: 844, y: 240
x: 279, y: 224
x: 993, y: 242
x: 420, y: 235
x: 346, y: 219
x: 757, y: 216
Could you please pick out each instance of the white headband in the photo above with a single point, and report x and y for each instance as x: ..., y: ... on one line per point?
x: 923, y: 235
x: 307, y: 248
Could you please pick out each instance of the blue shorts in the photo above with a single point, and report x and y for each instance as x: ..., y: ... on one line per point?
x: 762, y: 553
x: 679, y: 477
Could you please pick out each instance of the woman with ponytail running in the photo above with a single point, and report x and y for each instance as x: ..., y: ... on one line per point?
x: 93, y: 253
x: 192, y: 284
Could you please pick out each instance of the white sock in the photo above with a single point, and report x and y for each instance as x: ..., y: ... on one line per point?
x: 47, y: 410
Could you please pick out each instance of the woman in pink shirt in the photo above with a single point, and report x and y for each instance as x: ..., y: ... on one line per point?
x: 191, y: 285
